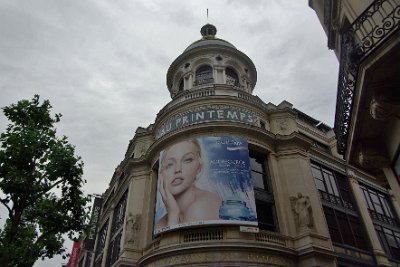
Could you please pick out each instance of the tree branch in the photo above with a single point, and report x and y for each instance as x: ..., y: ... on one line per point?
x: 2, y: 201
x: 51, y: 187
x: 47, y: 189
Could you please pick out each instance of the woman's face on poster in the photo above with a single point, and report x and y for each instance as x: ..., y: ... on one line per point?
x: 181, y: 165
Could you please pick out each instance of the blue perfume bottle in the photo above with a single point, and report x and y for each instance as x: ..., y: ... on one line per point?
x: 235, y: 208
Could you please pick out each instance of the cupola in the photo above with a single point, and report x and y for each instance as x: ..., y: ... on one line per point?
x: 210, y: 62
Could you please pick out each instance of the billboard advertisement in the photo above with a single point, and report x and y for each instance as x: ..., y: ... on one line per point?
x: 73, y: 260
x: 94, y: 219
x: 204, y: 181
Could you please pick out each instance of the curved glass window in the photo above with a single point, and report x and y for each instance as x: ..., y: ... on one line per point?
x: 231, y: 77
x: 204, y: 75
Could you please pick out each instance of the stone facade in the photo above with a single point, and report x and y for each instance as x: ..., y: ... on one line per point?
x: 365, y: 37
x: 302, y: 188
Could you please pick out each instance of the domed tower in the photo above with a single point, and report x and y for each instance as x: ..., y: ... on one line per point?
x: 210, y: 62
x: 221, y: 178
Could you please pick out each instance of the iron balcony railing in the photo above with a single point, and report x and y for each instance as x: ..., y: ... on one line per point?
x: 372, y: 28
x: 335, y: 200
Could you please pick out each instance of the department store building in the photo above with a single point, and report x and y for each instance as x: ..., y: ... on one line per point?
x: 269, y: 188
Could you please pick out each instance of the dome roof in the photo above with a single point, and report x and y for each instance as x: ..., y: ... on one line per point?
x: 208, y: 32
x: 209, y: 49
x: 207, y: 42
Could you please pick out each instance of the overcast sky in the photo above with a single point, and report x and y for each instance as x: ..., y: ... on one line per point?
x: 103, y: 64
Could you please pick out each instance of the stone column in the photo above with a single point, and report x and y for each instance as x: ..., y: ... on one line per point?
x: 219, y: 75
x: 395, y: 203
x: 393, y: 183
x: 188, y: 81
x: 377, y: 249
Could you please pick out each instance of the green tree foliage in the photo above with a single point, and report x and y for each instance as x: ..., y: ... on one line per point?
x: 41, y: 185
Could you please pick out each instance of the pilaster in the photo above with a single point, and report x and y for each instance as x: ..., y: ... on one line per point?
x: 298, y: 204
x: 393, y: 183
x: 377, y: 249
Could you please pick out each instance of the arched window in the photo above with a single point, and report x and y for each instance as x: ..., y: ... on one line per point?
x: 231, y: 77
x: 204, y: 75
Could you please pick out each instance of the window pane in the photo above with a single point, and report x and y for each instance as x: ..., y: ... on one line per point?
x: 265, y: 215
x: 358, y: 232
x: 366, y: 196
x: 320, y: 184
x: 258, y: 180
x: 345, y: 229
x: 385, y: 206
x: 256, y: 164
x: 332, y: 225
x: 332, y: 188
x: 376, y: 203
x: 317, y: 173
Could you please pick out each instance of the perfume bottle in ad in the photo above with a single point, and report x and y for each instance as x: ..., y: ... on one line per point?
x: 235, y: 208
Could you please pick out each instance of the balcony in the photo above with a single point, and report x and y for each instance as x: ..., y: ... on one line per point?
x: 213, y: 244
x: 369, y: 32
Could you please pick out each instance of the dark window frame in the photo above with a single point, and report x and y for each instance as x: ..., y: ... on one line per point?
x: 181, y: 85
x: 264, y: 197
x: 381, y: 208
x: 232, y: 78
x: 393, y: 252
x: 346, y: 228
x: 114, y: 246
x: 336, y: 189
x: 385, y: 222
x: 101, y: 242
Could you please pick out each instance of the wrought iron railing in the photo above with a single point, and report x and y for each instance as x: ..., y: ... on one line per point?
x: 335, y: 200
x: 383, y: 218
x: 203, y: 235
x: 204, y: 79
x: 373, y: 27
x: 232, y: 81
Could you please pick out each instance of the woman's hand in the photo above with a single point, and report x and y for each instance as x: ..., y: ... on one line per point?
x: 172, y: 207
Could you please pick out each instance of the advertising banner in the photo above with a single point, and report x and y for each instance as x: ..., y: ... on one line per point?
x: 73, y: 260
x: 94, y: 219
x: 204, y: 181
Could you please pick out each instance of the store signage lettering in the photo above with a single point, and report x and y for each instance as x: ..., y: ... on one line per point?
x: 207, y: 114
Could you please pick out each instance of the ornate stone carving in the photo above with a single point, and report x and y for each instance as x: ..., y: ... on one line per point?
x: 384, y: 109
x: 372, y: 158
x: 301, y: 207
x: 133, y: 226
x: 283, y: 125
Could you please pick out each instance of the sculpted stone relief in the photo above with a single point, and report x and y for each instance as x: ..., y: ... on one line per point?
x: 384, y: 108
x: 222, y: 256
x: 301, y: 207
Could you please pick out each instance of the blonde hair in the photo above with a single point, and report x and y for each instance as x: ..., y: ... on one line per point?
x: 194, y: 141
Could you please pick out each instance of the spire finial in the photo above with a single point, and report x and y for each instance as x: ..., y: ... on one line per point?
x: 207, y: 14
